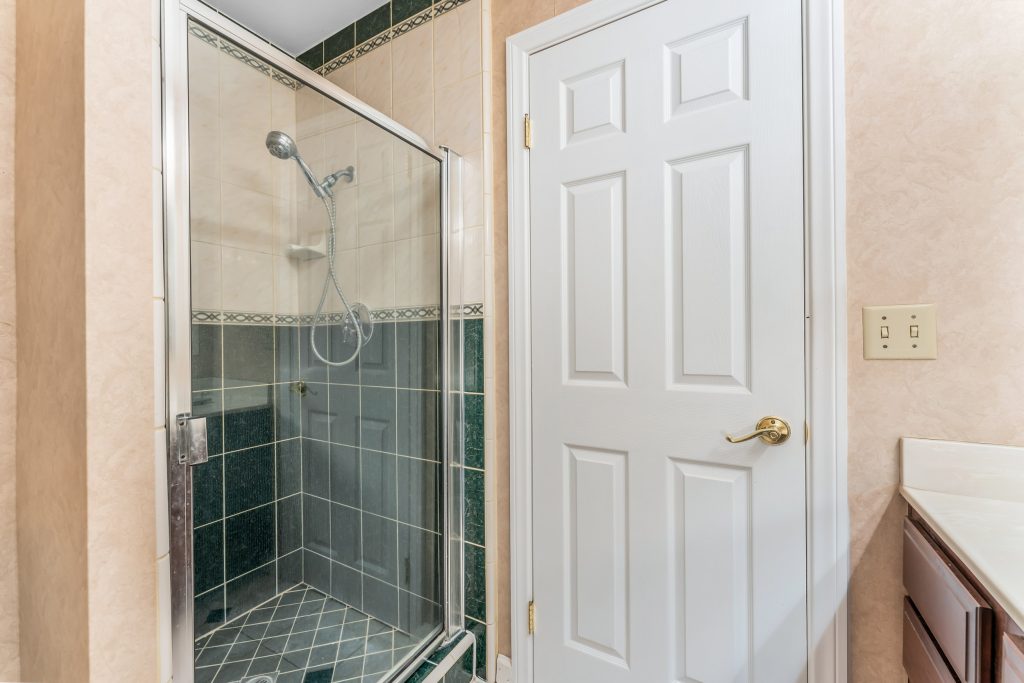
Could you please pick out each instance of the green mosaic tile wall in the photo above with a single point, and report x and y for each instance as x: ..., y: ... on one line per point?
x: 376, y: 28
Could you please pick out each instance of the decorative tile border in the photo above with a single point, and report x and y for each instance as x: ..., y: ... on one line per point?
x: 383, y: 38
x: 382, y: 315
x: 241, y: 55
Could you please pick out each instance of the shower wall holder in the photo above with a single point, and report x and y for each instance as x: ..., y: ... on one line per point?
x: 302, y: 252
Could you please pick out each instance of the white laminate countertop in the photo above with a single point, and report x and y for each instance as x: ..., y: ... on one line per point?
x: 972, y: 496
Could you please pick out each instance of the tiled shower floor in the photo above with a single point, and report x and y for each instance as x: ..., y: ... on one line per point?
x: 305, y: 636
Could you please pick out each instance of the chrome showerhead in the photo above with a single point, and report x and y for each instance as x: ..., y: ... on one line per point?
x: 283, y: 147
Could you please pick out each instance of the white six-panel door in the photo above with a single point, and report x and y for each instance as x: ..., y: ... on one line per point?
x: 667, y: 279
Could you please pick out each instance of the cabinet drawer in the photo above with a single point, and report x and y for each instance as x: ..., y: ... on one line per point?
x: 921, y: 657
x: 955, y: 613
x: 1012, y: 668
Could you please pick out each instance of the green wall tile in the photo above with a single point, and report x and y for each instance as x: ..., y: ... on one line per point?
x: 473, y: 356
x: 340, y: 43
x: 373, y: 23
x: 474, y: 430
x: 476, y: 600
x: 474, y: 488
x: 403, y: 9
x: 421, y: 673
x: 313, y: 58
x: 480, y: 633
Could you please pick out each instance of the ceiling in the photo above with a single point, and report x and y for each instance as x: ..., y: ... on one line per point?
x: 295, y: 25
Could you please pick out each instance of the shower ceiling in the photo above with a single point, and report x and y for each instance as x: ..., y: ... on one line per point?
x: 296, y: 25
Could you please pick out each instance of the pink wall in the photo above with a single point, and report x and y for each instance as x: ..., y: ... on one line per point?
x: 935, y: 110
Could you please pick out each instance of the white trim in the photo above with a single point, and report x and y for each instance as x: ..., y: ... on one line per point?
x: 825, y: 197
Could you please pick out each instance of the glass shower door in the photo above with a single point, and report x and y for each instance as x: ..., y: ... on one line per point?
x: 315, y: 245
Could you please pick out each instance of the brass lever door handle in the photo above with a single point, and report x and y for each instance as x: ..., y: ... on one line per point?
x: 771, y: 430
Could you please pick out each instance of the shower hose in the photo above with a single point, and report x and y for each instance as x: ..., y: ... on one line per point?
x: 332, y: 276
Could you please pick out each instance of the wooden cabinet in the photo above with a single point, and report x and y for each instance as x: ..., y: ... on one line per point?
x: 921, y: 656
x: 953, y: 630
x: 1011, y: 668
x: 956, y: 614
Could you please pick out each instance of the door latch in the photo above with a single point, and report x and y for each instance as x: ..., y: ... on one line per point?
x: 190, y: 440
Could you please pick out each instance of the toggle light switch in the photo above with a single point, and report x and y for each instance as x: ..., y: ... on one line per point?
x: 904, y: 332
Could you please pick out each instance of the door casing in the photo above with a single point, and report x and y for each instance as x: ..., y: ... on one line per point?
x: 825, y: 328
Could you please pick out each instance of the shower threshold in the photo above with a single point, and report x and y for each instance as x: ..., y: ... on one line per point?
x: 301, y: 636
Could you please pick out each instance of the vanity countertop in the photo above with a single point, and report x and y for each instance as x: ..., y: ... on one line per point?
x: 972, y: 496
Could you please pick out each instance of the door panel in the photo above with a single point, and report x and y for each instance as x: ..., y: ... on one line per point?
x: 667, y: 275
x: 595, y: 270
x: 710, y: 243
x: 711, y: 579
x: 598, y: 598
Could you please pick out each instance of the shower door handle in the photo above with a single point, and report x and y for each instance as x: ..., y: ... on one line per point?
x: 191, y: 439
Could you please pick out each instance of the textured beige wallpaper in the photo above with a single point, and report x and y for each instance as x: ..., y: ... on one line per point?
x: 508, y: 17
x: 120, y: 347
x: 51, y: 315
x: 935, y: 114
x: 83, y: 227
x: 9, y: 669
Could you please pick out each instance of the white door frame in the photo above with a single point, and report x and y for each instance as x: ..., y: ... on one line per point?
x: 826, y: 335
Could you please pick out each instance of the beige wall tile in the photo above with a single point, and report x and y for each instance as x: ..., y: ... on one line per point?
x: 283, y: 109
x: 247, y: 219
x: 377, y: 275
x: 206, y: 276
x: 286, y: 286
x: 416, y: 114
x: 204, y: 107
x: 204, y: 208
x: 244, y: 158
x: 311, y: 218
x: 376, y: 211
x: 458, y: 115
x: 347, y: 202
x: 286, y: 224
x: 417, y: 194
x: 457, y: 44
x: 417, y: 271
x: 248, y: 280
x: 121, y: 524
x: 340, y: 150
x: 473, y: 282
x: 345, y: 78
x: 412, y: 64
x: 309, y: 113
x: 373, y: 78
x: 375, y: 156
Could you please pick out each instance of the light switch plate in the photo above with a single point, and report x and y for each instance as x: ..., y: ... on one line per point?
x: 900, y: 332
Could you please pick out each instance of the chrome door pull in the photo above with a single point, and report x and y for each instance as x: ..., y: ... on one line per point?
x: 771, y: 430
x: 191, y: 440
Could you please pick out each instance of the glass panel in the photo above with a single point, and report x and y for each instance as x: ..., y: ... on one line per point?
x: 316, y: 356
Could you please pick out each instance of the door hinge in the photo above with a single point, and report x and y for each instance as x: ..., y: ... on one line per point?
x: 527, y: 132
x: 190, y: 442
x: 531, y: 618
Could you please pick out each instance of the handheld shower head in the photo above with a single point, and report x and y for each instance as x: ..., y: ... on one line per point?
x: 283, y: 147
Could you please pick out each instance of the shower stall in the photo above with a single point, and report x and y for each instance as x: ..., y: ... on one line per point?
x: 313, y: 261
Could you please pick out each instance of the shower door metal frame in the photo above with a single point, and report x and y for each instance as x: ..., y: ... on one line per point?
x: 175, y: 15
